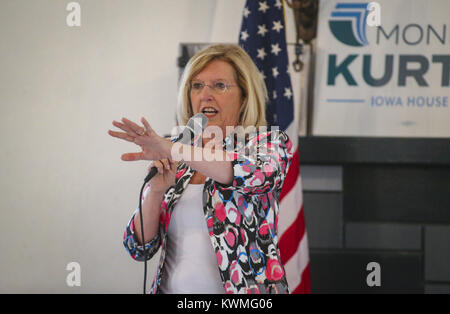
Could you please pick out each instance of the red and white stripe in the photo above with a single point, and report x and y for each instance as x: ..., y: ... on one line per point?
x: 291, y: 226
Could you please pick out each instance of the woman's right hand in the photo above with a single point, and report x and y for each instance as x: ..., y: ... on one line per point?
x: 165, y: 177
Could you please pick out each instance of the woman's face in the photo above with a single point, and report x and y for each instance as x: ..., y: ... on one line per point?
x: 220, y: 107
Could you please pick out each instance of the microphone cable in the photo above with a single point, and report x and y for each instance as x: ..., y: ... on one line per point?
x: 190, y: 126
x: 151, y: 174
x: 143, y: 239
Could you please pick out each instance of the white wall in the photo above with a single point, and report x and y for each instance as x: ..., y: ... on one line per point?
x: 66, y: 195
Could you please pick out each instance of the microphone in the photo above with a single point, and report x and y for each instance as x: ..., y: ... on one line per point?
x: 193, y: 128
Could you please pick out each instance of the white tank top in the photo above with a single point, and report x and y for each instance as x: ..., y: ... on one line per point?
x: 190, y: 265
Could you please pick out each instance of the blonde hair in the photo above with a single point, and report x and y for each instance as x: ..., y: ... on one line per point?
x: 248, y: 78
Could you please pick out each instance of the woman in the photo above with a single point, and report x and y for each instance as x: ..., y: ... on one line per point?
x: 216, y: 221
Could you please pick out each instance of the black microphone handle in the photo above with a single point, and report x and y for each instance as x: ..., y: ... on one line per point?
x: 151, y: 174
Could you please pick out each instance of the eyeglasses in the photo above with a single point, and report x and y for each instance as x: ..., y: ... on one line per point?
x: 218, y: 87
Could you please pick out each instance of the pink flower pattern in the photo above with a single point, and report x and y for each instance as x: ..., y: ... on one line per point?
x: 242, y: 218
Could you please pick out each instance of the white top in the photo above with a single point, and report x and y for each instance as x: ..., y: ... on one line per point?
x: 190, y: 265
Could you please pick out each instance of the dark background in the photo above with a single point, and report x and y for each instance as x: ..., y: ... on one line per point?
x: 384, y: 200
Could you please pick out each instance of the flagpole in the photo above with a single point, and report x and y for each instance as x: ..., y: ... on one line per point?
x: 305, y: 16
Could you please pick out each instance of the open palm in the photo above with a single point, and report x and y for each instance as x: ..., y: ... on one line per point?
x: 153, y: 146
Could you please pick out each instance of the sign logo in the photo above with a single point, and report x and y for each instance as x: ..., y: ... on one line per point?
x: 348, y: 23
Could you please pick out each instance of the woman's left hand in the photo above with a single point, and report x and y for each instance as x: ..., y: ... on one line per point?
x: 154, y: 147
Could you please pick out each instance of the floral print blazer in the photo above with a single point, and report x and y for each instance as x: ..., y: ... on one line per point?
x: 241, y: 218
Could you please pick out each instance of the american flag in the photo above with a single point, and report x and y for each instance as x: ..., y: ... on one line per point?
x: 263, y: 36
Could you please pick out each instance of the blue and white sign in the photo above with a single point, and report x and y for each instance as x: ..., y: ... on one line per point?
x: 386, y: 80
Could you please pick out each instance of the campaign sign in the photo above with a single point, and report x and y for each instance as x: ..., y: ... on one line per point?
x: 383, y: 69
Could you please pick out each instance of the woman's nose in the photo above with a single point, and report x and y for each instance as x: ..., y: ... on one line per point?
x: 206, y: 93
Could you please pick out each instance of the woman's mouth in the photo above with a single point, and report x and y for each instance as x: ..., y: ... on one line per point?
x: 209, y: 112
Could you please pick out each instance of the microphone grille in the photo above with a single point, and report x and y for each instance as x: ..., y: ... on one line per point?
x: 199, y: 119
